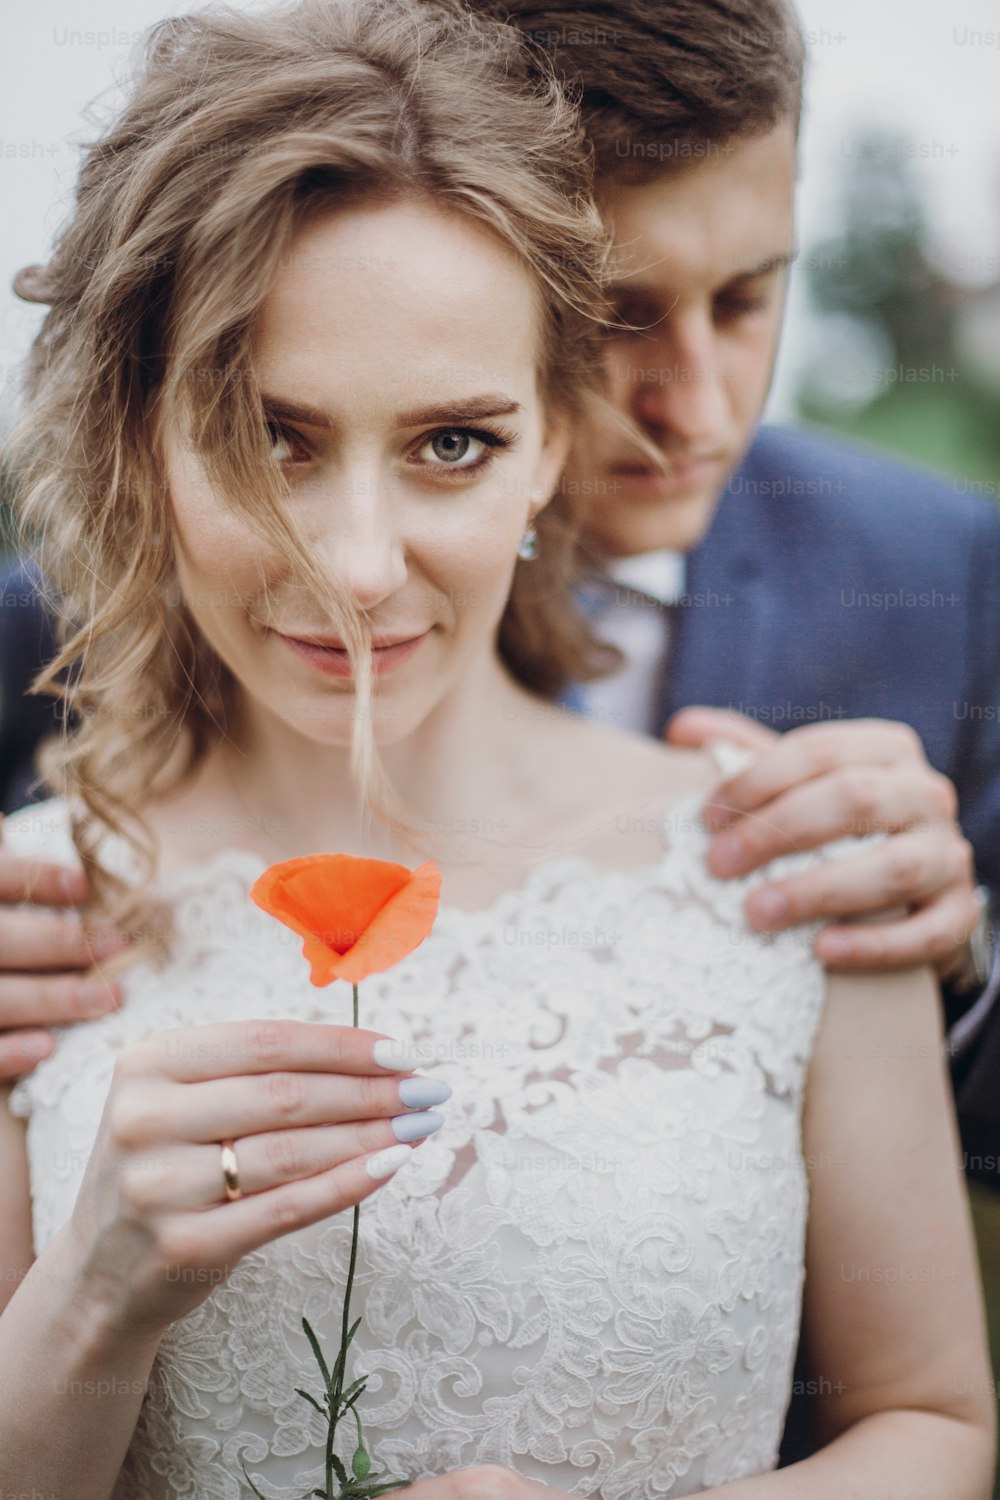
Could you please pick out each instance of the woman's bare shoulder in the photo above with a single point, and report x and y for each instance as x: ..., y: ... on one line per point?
x: 609, y: 787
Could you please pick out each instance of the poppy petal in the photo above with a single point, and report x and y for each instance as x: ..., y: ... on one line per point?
x: 356, y: 916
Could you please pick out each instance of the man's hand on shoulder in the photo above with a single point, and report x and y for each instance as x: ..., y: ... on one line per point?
x: 47, y: 974
x: 824, y: 782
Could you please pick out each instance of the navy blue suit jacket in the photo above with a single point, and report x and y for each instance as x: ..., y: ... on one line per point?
x: 836, y: 584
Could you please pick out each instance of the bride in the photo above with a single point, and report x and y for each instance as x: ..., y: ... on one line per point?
x: 321, y: 326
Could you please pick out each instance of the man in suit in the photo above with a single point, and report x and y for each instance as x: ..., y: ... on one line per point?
x: 802, y: 583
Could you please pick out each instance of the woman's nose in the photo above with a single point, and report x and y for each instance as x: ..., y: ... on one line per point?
x: 359, y: 542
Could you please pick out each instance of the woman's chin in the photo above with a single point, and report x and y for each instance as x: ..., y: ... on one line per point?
x: 389, y: 725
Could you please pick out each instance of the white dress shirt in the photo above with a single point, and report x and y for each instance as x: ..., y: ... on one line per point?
x: 629, y: 613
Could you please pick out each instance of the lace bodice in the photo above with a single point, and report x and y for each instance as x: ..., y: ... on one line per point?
x: 592, y: 1273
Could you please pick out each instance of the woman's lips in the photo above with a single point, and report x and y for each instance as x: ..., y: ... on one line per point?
x: 335, y: 662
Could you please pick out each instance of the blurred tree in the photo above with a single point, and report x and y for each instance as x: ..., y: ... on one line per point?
x: 888, y: 365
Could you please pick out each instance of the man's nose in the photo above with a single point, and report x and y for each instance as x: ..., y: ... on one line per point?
x: 676, y: 387
x: 358, y: 541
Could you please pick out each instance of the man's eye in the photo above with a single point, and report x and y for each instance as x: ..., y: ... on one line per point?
x: 740, y: 307
x: 627, y: 319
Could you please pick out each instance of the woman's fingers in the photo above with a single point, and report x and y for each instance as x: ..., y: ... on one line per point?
x: 190, y: 1177
x: 227, y: 1108
x: 214, y: 1241
x: 224, y: 1049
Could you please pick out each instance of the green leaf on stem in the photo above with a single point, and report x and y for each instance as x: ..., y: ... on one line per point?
x: 354, y: 1390
x: 311, y: 1399
x: 340, y: 1471
x: 317, y: 1351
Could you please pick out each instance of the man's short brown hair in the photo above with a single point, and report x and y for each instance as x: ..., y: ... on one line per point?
x: 663, y: 83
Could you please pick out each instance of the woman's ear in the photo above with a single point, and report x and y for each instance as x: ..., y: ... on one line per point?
x: 551, y: 460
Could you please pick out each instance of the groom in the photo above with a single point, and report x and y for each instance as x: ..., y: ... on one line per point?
x: 801, y: 582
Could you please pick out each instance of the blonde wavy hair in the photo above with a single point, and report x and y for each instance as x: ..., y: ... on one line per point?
x: 239, y: 126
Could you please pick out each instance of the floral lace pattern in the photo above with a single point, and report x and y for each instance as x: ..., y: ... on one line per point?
x: 591, y: 1274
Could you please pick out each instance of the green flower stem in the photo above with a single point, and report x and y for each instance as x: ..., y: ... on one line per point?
x: 346, y: 1321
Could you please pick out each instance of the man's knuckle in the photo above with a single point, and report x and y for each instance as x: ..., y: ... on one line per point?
x: 907, y: 738
x: 865, y: 791
x: 905, y: 871
x: 966, y: 859
x: 939, y: 943
x: 944, y: 796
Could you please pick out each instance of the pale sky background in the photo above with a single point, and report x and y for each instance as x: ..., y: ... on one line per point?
x: 929, y: 67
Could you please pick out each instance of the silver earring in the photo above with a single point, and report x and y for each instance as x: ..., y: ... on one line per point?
x: 527, y: 547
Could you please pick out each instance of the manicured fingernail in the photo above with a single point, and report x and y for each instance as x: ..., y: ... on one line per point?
x: 728, y: 854
x: 416, y: 1127
x: 384, y: 1163
x: 398, y: 1057
x: 419, y: 1092
x: 97, y: 997
x: 769, y: 908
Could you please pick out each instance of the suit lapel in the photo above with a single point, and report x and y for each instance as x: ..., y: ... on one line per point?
x: 729, y: 628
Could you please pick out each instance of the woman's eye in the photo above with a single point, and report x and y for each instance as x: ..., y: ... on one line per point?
x: 286, y: 447
x: 458, y: 448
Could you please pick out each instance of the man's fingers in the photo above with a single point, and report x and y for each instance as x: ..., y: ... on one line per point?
x: 906, y: 869
x: 850, y: 802
x: 694, y: 727
x: 21, y: 1050
x: 41, y: 882
x: 814, y: 750
x: 936, y: 934
x: 43, y: 940
x: 33, y: 1000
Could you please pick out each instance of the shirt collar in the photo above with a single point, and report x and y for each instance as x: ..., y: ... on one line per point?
x: 660, y: 575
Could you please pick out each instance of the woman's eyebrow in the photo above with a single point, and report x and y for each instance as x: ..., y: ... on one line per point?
x: 461, y: 409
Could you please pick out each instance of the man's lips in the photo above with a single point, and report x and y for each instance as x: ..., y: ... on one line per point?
x: 672, y: 469
x: 331, y: 656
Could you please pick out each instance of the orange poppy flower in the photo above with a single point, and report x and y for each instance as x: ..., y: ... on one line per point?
x: 358, y: 916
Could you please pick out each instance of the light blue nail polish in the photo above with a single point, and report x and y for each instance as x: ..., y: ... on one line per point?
x: 419, y: 1092
x: 415, y: 1127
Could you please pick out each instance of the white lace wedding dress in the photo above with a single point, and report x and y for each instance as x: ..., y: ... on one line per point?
x: 591, y: 1274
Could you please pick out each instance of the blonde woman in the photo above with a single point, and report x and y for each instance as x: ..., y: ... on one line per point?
x: 320, y: 328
